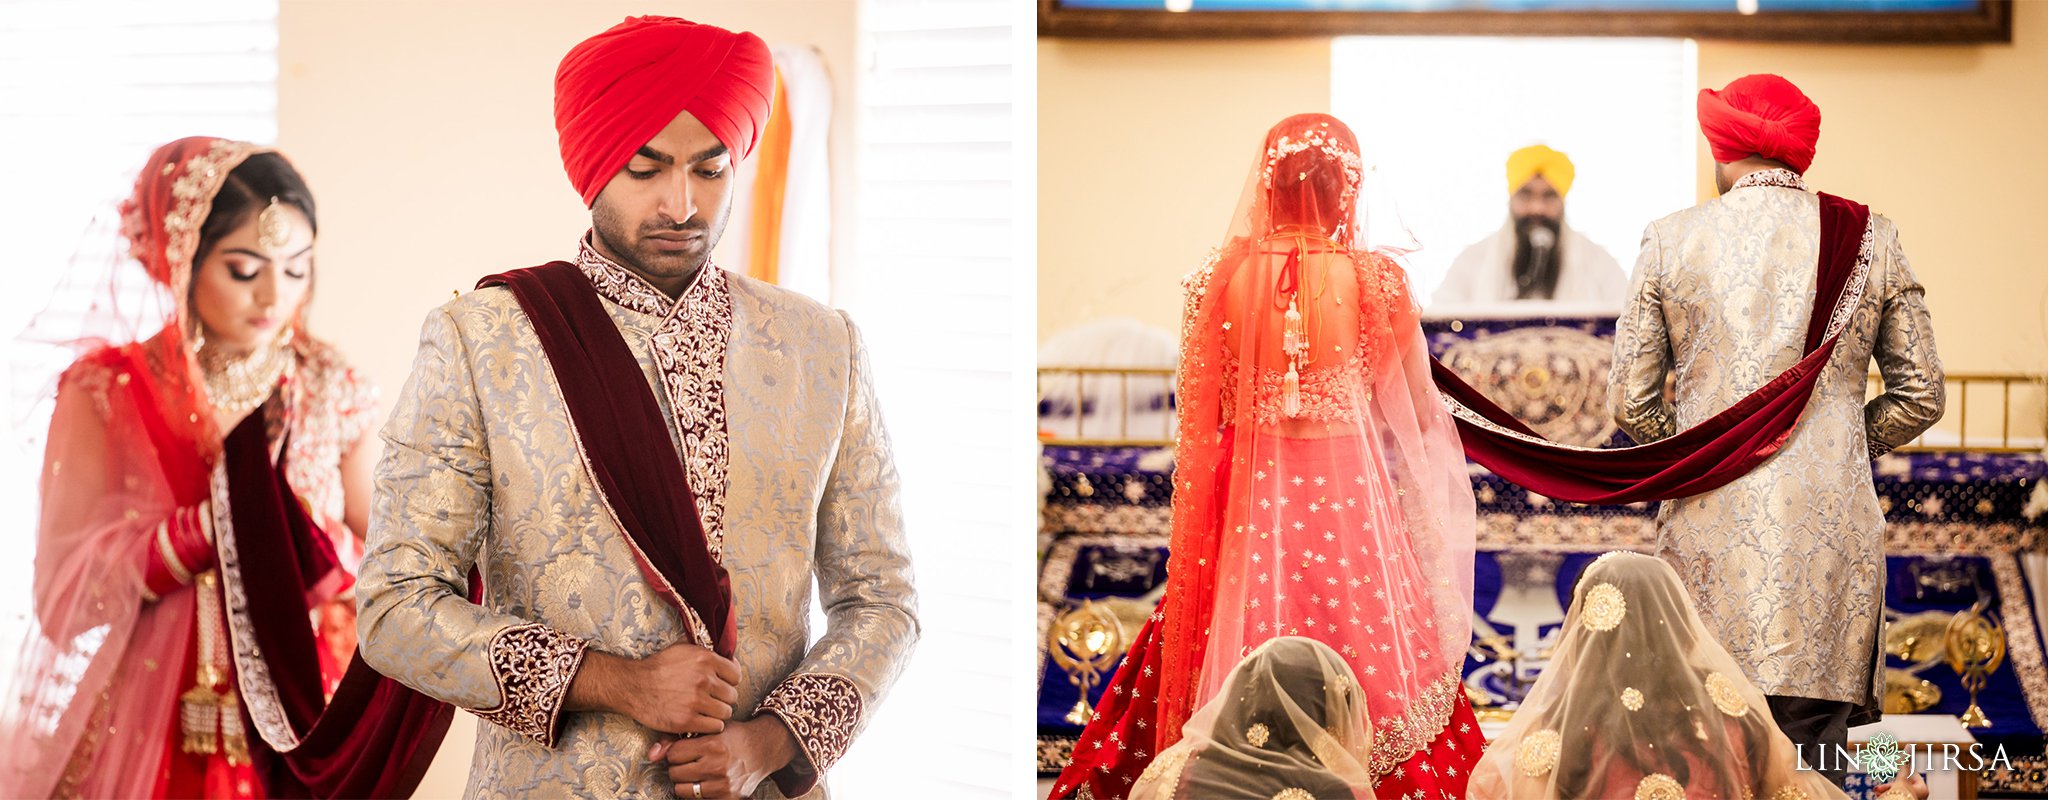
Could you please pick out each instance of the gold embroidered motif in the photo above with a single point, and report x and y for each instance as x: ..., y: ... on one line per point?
x: 1796, y: 793
x: 1605, y: 607
x: 1632, y: 699
x: 821, y: 710
x: 1257, y: 734
x: 1537, y: 755
x: 1320, y: 389
x: 533, y: 665
x: 1726, y: 697
x: 1781, y: 178
x: 689, y: 347
x: 1166, y: 770
x: 1659, y: 786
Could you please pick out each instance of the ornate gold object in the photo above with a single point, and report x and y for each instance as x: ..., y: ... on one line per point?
x: 273, y: 228
x: 1906, y: 693
x: 1537, y: 755
x: 1976, y: 646
x: 1917, y: 638
x: 1604, y: 608
x: 1085, y: 642
x: 238, y: 384
x: 1725, y: 696
x: 1659, y: 786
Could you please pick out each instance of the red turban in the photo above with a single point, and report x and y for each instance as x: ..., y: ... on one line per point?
x: 618, y: 89
x: 1761, y: 115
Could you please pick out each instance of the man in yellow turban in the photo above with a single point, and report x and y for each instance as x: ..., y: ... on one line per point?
x: 1535, y: 256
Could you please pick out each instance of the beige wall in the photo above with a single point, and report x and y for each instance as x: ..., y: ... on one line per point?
x: 1947, y: 141
x: 1141, y: 146
x: 426, y: 130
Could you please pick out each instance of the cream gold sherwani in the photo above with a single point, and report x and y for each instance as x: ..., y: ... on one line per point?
x: 768, y: 399
x: 1786, y: 563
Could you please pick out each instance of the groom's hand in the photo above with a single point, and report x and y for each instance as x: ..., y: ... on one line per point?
x: 681, y: 689
x: 726, y: 765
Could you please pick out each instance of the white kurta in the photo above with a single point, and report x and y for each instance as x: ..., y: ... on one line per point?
x: 1482, y: 275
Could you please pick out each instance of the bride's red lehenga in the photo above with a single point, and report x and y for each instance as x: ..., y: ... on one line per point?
x: 1319, y: 490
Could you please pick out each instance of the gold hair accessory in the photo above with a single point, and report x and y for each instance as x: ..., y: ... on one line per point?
x: 273, y: 230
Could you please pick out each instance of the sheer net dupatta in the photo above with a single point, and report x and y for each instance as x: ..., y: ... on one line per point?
x: 1641, y: 701
x: 1289, y: 723
x: 1320, y: 488
x: 131, y: 439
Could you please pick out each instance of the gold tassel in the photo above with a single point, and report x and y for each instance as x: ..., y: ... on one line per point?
x: 234, y: 738
x: 199, y: 716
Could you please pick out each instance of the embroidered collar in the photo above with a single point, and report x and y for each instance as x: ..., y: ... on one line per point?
x: 1782, y: 178
x: 625, y: 287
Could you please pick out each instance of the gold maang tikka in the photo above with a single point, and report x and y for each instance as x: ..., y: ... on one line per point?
x: 273, y: 229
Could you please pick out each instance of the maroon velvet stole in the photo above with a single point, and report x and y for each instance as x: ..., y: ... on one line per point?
x: 1699, y: 459
x: 375, y: 737
x: 625, y: 437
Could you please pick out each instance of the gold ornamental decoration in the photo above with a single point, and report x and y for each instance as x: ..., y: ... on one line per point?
x: 1085, y: 642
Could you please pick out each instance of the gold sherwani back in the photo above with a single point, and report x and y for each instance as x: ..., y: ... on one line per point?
x: 768, y: 398
x: 1786, y: 563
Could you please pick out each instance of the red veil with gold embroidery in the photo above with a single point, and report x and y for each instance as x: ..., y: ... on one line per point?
x: 1319, y: 486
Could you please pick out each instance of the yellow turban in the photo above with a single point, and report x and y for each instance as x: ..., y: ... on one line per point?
x: 1535, y: 160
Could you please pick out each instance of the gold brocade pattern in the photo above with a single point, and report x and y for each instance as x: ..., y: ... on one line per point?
x: 821, y: 710
x: 533, y: 665
x: 1785, y: 563
x: 480, y: 469
x: 1796, y: 793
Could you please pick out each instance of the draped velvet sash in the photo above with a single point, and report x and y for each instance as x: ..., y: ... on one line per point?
x: 626, y: 439
x: 1699, y: 459
x: 375, y: 737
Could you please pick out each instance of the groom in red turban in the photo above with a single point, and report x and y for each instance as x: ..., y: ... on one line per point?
x: 1773, y: 279
x: 648, y: 461
x: 1757, y: 122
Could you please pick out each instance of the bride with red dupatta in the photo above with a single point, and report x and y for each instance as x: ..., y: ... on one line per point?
x: 203, y: 492
x: 1319, y: 489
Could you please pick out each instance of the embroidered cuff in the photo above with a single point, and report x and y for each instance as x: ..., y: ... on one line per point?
x: 822, y: 712
x: 533, y: 665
